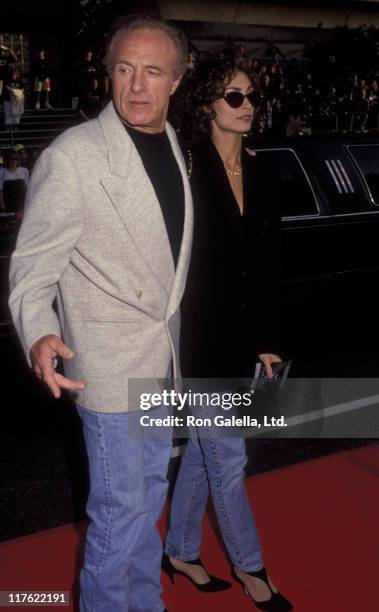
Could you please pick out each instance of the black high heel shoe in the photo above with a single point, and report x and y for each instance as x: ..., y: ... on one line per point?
x: 276, y: 603
x: 215, y: 584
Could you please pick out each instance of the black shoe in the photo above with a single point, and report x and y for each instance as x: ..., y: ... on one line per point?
x: 276, y: 603
x: 215, y: 584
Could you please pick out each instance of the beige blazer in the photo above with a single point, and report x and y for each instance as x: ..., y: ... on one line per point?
x: 93, y: 238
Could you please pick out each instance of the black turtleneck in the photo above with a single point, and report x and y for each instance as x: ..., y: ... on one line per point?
x: 163, y: 171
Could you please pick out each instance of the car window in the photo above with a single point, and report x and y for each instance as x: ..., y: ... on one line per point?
x: 298, y: 198
x: 366, y: 158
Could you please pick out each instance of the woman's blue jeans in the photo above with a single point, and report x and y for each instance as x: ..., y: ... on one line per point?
x: 128, y: 487
x: 217, y: 465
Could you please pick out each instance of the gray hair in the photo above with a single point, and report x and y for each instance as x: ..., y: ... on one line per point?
x: 123, y: 25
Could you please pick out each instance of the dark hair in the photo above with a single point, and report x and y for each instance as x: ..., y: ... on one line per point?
x: 201, y: 87
x: 145, y: 22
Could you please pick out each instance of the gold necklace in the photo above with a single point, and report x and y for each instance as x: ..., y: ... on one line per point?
x: 233, y: 172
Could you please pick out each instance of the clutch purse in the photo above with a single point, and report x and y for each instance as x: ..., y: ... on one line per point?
x: 279, y: 376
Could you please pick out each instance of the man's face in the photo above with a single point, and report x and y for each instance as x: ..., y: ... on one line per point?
x: 144, y: 78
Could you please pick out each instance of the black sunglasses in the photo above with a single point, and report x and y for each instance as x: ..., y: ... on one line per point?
x: 235, y: 99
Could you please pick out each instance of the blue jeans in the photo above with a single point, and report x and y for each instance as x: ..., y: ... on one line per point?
x: 216, y: 465
x: 128, y: 488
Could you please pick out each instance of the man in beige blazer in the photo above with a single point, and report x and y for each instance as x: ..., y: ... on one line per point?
x: 107, y: 234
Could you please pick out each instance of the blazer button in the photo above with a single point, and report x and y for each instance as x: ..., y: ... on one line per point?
x: 139, y: 293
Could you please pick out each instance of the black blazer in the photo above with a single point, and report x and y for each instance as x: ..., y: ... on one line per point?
x: 230, y: 306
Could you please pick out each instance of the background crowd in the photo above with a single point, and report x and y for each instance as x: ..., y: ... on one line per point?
x: 331, y: 89
x: 290, y: 89
x: 293, y: 99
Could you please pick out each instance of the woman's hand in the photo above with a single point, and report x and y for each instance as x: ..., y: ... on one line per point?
x: 268, y: 359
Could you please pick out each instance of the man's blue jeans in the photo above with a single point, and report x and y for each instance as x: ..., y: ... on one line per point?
x: 217, y: 465
x: 128, y: 488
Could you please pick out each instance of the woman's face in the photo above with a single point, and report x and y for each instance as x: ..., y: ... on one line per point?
x: 229, y: 119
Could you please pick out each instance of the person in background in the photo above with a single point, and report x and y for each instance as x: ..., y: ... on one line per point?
x: 90, y: 102
x: 229, y: 317
x: 7, y: 58
x: 360, y: 110
x: 42, y: 82
x: 87, y: 67
x: 87, y: 70
x: 346, y: 115
x: 275, y: 80
x: 25, y: 160
x: 329, y: 109
x: 13, y: 99
x: 373, y: 98
x: 292, y: 123
x: 253, y: 67
x: 13, y: 182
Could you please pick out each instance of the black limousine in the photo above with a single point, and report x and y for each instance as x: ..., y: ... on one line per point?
x: 330, y: 261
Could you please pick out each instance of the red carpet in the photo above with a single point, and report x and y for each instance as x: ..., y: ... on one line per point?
x: 319, y: 528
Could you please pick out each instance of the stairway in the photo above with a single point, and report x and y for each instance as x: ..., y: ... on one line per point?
x: 38, y: 128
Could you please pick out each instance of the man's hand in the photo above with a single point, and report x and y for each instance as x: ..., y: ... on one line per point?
x: 42, y: 355
x: 268, y: 359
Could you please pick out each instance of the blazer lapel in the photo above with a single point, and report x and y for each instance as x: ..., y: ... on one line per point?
x: 133, y: 196
x: 186, y: 245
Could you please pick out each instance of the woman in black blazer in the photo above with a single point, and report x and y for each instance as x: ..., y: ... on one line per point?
x: 229, y: 315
